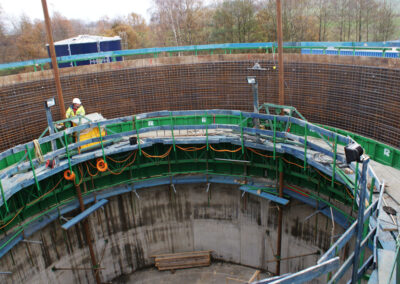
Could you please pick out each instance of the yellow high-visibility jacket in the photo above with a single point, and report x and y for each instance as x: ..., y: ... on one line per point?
x: 70, y: 111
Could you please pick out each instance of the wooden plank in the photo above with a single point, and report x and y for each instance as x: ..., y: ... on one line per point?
x: 180, y: 257
x: 182, y: 260
x: 255, y: 275
x: 181, y: 253
x: 181, y: 263
x: 180, y: 267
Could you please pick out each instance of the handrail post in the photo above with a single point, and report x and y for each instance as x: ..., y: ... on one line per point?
x: 101, y: 142
x: 3, y: 197
x: 241, y: 131
x: 305, y: 145
x: 66, y: 151
x: 334, y: 162
x: 396, y: 262
x: 33, y: 168
x: 206, y: 131
x: 137, y: 136
x: 355, y: 186
x: 274, y: 138
x: 172, y: 130
x: 360, y: 217
x: 367, y: 222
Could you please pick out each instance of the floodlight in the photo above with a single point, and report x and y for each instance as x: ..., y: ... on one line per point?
x: 353, y: 153
x: 251, y: 80
x: 50, y: 102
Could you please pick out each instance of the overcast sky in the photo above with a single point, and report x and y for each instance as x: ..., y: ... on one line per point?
x: 89, y: 10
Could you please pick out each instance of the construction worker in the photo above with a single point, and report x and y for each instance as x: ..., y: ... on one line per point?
x: 75, y: 109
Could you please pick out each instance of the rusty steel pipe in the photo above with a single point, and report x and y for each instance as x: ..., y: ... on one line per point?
x: 88, y: 237
x: 53, y: 59
x: 281, y: 100
x: 280, y: 218
x: 280, y: 53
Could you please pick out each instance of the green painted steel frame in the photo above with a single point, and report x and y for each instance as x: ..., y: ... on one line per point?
x: 203, y: 161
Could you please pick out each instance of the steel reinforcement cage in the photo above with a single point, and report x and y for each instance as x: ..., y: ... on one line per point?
x: 352, y: 94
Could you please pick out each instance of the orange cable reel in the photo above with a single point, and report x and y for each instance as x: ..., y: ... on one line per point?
x: 69, y: 175
x: 101, y: 165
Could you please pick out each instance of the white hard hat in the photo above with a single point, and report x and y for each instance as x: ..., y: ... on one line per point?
x: 76, y: 101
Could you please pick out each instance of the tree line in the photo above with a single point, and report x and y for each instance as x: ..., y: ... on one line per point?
x: 191, y: 22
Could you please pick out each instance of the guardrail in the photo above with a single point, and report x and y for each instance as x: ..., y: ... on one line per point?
x: 240, y: 122
x: 165, y: 120
x: 226, y: 48
x: 377, y: 151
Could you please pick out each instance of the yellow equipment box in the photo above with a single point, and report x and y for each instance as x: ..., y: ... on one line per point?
x: 90, y: 132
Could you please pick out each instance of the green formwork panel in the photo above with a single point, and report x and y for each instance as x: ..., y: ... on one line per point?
x: 15, y: 158
x: 10, y: 160
x: 144, y: 123
x: 299, y: 130
x: 119, y: 127
x: 177, y: 163
x: 378, y: 151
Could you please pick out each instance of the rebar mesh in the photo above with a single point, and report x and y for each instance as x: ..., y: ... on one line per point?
x: 362, y: 99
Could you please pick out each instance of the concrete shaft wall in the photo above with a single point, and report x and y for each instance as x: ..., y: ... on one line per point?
x: 130, y: 230
x: 358, y: 94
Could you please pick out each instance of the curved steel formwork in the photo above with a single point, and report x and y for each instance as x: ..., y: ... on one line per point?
x: 205, y: 146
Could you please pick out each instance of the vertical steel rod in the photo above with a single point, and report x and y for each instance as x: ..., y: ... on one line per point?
x: 280, y: 217
x: 280, y: 53
x: 51, y: 129
x: 255, y: 104
x: 53, y: 59
x: 3, y: 197
x: 365, y: 232
x: 85, y: 224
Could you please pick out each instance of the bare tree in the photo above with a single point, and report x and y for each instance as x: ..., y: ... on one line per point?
x: 177, y: 21
x: 384, y: 27
x: 266, y: 21
x: 30, y: 39
x: 4, y: 40
x: 298, y: 21
x: 61, y: 26
x: 234, y: 21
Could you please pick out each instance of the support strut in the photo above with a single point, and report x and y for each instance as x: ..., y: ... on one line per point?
x: 280, y: 217
x: 53, y: 59
x: 86, y: 230
x: 280, y: 53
